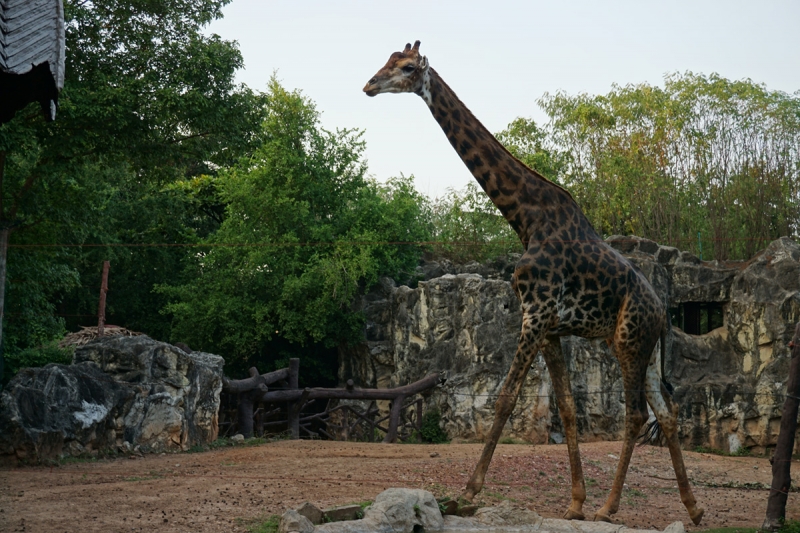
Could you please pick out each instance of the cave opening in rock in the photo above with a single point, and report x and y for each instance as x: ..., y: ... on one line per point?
x: 697, y: 318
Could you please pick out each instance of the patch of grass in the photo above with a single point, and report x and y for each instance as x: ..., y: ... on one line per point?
x: 743, y: 451
x: 509, y: 440
x: 790, y: 526
x: 498, y: 496
x: 269, y: 524
x: 591, y: 482
x: 729, y: 530
x: 141, y: 478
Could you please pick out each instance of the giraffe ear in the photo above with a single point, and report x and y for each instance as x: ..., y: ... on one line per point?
x: 407, y: 48
x: 416, y: 46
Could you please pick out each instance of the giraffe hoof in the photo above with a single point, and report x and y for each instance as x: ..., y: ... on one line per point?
x: 573, y: 515
x: 697, y: 516
x: 599, y: 517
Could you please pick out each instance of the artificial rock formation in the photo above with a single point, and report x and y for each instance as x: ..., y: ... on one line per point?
x: 465, y: 320
x: 120, y: 393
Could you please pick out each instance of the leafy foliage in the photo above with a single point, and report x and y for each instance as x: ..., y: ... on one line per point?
x: 468, y: 227
x: 37, y: 356
x: 431, y: 430
x: 148, y: 99
x: 702, y: 155
x: 304, y: 232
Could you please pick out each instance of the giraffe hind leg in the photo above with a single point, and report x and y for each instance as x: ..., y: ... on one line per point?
x: 557, y: 368
x: 666, y: 414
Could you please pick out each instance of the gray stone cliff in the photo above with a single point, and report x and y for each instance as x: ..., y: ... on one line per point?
x: 730, y: 380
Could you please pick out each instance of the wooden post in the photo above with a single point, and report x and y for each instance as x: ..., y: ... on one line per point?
x: 419, y: 417
x: 394, y: 419
x: 244, y: 409
x: 372, y: 414
x: 101, y: 308
x: 294, y: 408
x: 782, y: 458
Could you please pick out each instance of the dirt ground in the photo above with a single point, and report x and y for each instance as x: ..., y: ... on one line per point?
x: 228, y: 489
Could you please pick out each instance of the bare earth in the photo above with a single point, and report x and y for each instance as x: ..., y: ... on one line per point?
x: 227, y: 489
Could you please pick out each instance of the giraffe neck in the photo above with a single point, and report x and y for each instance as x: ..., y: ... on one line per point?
x: 536, y: 208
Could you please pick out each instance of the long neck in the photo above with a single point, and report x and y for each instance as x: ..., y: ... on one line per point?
x: 535, y: 208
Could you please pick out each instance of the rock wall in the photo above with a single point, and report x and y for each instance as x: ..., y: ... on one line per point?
x: 120, y: 394
x: 466, y: 319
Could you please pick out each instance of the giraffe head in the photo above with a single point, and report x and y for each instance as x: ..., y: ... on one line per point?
x: 403, y: 73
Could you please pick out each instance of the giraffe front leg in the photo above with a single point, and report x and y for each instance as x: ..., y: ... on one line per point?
x: 526, y: 351
x: 559, y: 375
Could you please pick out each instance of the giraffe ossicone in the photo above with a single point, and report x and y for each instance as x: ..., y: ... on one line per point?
x: 569, y: 282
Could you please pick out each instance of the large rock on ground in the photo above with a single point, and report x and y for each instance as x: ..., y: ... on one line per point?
x: 177, y: 392
x: 393, y: 511
x: 58, y: 410
x: 119, y: 393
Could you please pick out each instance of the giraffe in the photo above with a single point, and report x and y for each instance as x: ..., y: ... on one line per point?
x: 569, y: 282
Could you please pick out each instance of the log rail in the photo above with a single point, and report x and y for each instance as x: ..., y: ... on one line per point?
x: 254, y: 389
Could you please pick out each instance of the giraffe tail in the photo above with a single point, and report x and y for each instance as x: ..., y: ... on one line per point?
x: 652, y: 433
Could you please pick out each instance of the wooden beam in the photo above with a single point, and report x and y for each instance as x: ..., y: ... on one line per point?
x: 429, y: 381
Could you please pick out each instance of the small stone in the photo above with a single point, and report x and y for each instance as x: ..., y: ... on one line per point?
x: 294, y: 522
x: 435, y: 454
x: 344, y: 512
x: 675, y: 527
x: 237, y: 438
x: 312, y: 512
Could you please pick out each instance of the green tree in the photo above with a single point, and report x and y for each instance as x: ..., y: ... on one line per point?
x: 304, y: 232
x: 468, y: 227
x: 702, y: 154
x: 148, y: 99
x: 530, y: 144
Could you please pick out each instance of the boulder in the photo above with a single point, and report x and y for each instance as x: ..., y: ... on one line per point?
x: 120, y: 393
x: 61, y: 410
x: 177, y: 393
x: 312, y: 512
x: 294, y: 522
x: 393, y: 511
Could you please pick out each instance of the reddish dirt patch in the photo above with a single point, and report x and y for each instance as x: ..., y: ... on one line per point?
x: 224, y: 489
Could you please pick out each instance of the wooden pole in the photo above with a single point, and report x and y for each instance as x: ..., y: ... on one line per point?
x: 782, y: 458
x: 244, y: 409
x: 394, y: 419
x: 101, y: 308
x: 294, y: 408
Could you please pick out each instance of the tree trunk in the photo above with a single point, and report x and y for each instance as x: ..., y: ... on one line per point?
x: 3, y: 253
x: 782, y: 459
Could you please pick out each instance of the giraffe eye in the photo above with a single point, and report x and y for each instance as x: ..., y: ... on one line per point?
x: 408, y: 69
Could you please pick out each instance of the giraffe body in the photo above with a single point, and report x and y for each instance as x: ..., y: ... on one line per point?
x: 569, y: 282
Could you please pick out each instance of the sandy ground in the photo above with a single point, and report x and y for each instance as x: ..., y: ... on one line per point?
x: 228, y: 489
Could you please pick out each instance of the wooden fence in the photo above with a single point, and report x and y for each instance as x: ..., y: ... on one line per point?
x: 252, y: 406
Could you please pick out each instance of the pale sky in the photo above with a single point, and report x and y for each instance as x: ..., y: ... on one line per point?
x: 500, y: 57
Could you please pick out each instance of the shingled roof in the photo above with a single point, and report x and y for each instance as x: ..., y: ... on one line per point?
x: 31, y: 55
